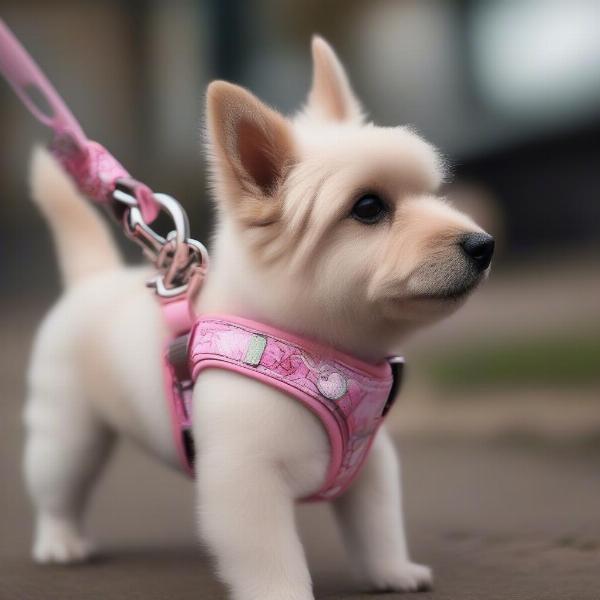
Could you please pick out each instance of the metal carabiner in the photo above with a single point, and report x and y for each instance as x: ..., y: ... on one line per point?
x: 177, y: 256
x: 140, y: 232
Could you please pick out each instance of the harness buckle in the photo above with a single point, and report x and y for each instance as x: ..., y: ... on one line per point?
x: 397, y: 365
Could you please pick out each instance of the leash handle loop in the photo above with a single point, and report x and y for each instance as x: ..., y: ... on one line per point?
x: 32, y: 86
x: 93, y: 168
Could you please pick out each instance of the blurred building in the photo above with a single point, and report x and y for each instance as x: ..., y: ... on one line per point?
x: 508, y: 90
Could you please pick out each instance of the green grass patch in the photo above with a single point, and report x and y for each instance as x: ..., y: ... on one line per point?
x: 565, y: 362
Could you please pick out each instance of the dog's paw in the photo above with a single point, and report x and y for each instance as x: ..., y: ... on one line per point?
x: 62, y: 550
x: 61, y: 545
x: 402, y: 577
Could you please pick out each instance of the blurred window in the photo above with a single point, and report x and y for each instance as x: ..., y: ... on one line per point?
x: 538, y: 59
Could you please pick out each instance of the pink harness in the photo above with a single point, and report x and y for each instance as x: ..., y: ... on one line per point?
x: 349, y: 396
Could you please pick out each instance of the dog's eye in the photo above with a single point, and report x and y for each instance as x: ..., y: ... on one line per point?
x: 369, y: 209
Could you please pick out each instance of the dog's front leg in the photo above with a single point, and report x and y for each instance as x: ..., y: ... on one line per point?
x: 247, y: 519
x: 245, y: 500
x: 370, y: 515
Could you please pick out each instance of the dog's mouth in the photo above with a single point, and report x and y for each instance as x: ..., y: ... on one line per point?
x: 430, y: 304
x: 444, y: 283
x: 454, y: 293
x: 433, y: 290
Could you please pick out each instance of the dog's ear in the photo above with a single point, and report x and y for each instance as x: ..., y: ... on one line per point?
x: 331, y: 96
x: 251, y: 144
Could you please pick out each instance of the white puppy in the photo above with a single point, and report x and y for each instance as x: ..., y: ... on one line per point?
x: 328, y: 227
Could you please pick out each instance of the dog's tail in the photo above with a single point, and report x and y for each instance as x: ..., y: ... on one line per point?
x: 83, y: 243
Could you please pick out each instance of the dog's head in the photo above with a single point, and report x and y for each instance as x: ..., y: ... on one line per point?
x: 329, y: 223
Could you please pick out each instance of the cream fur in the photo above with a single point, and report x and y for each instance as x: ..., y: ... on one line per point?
x: 285, y: 252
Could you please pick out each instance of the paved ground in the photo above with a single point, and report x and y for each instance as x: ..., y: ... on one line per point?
x: 496, y: 521
x: 497, y: 517
x: 501, y: 519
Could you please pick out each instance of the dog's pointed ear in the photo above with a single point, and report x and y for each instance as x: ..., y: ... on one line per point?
x: 331, y: 96
x: 251, y: 144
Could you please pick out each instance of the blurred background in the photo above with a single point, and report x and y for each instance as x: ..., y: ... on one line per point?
x: 509, y: 90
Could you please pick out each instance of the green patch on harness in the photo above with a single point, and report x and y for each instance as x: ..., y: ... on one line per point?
x: 256, y: 347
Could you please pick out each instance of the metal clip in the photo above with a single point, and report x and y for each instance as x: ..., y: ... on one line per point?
x: 177, y: 257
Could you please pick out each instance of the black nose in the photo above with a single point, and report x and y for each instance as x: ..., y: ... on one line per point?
x: 479, y: 247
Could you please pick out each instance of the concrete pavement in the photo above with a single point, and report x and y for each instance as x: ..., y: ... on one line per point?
x: 497, y: 517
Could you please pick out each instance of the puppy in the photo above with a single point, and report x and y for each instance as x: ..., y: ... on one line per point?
x: 328, y: 226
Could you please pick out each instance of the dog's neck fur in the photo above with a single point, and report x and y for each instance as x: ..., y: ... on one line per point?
x: 235, y: 286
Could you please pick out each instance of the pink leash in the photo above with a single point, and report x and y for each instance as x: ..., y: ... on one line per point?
x: 93, y: 168
x: 180, y: 260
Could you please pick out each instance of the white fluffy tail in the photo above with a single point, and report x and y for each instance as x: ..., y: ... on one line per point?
x: 83, y: 242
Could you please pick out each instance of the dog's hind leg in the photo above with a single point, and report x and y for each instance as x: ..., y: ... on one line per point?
x: 370, y: 515
x: 66, y: 447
